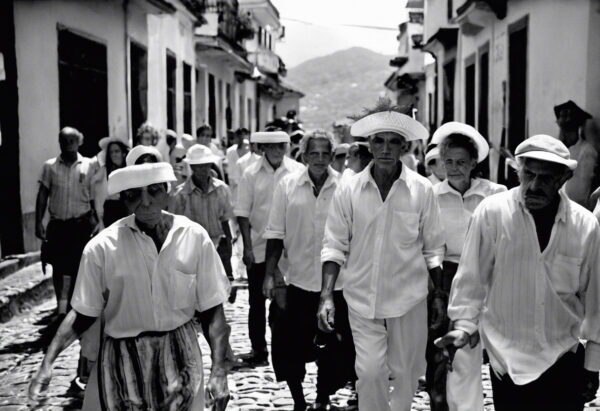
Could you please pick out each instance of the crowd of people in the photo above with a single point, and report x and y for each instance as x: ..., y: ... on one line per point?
x: 380, y: 267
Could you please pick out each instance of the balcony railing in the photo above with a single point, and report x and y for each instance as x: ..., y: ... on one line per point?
x: 231, y: 26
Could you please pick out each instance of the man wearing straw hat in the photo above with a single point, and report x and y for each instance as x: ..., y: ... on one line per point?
x: 529, y: 281
x: 254, y: 196
x: 383, y: 225
x: 149, y: 274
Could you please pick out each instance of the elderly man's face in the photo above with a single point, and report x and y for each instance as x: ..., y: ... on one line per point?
x: 540, y: 182
x: 200, y: 171
x: 146, y: 203
x: 69, y: 142
x: 387, y: 147
x: 274, y: 152
x: 318, y: 156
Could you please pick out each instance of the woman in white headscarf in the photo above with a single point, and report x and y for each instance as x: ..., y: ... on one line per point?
x: 461, y: 148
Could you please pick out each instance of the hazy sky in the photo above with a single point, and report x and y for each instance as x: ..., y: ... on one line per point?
x: 327, y: 33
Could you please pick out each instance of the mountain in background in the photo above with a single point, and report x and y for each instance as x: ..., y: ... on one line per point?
x: 339, y: 84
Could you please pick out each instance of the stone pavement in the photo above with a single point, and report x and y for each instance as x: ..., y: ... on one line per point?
x: 25, y: 336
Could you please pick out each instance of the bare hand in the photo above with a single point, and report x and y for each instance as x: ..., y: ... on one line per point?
x: 590, y: 385
x: 280, y: 296
x: 268, y: 286
x: 326, y: 314
x: 40, y: 231
x: 438, y: 307
x: 248, y: 258
x: 217, y: 391
x: 450, y: 342
x: 39, y: 384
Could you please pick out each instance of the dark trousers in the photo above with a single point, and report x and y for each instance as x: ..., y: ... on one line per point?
x: 224, y: 251
x: 436, y: 372
x: 66, y: 241
x: 559, y: 388
x: 293, y: 333
x: 257, y: 321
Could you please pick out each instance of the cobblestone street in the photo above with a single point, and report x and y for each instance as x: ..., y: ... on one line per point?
x: 24, y: 337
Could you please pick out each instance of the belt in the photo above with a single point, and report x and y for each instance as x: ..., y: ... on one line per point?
x: 83, y: 217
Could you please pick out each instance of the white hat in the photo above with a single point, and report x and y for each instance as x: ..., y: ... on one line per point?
x: 199, y: 154
x: 269, y: 137
x: 455, y: 127
x: 187, y: 140
x: 434, y: 153
x: 342, y: 149
x: 105, y: 142
x: 178, y: 151
x: 139, y: 175
x: 546, y: 148
x: 139, y: 151
x: 390, y: 121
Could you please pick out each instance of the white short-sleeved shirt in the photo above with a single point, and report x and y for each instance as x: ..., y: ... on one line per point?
x: 140, y: 289
x: 298, y: 218
x: 456, y: 211
x: 254, y: 196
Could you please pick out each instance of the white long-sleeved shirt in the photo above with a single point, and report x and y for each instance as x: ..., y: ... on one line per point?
x: 387, y: 246
x: 298, y: 218
x: 531, y: 306
x: 456, y: 211
x: 254, y: 195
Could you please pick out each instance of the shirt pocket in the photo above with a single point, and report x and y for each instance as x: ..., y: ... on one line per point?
x: 564, y: 274
x: 182, y: 289
x: 405, y: 228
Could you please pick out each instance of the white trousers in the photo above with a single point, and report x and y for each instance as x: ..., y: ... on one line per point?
x: 464, y: 391
x: 389, y: 352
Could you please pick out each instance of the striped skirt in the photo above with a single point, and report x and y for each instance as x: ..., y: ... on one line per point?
x: 153, y: 371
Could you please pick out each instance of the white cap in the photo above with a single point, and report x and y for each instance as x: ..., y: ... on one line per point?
x: 139, y: 151
x: 269, y: 137
x: 434, y: 153
x: 390, y: 121
x: 199, y: 154
x: 455, y: 127
x: 139, y: 175
x: 546, y: 148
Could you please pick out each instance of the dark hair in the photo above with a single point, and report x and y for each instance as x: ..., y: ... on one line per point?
x: 146, y: 158
x: 242, y: 131
x: 361, y: 151
x: 201, y: 129
x: 459, y: 141
x: 110, y: 166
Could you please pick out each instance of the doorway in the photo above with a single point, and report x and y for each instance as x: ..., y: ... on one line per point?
x: 83, y: 92
x: 470, y: 91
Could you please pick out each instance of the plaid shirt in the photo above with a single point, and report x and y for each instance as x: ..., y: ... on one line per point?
x: 69, y: 186
x: 209, y: 209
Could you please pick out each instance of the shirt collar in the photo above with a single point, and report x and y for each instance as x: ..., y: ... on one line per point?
x: 285, y: 163
x: 189, y: 186
x: 365, y: 176
x: 477, y: 188
x: 563, y: 207
x: 332, y: 177
x: 77, y: 160
x: 129, y: 221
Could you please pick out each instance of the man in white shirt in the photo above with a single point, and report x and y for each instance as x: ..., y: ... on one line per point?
x: 383, y: 224
x: 297, y: 223
x: 254, y: 195
x: 234, y: 153
x: 529, y: 280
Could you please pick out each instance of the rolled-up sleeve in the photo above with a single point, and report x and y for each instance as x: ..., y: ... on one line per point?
x: 46, y: 176
x: 243, y: 203
x: 591, y: 322
x: 433, y: 238
x: 470, y: 285
x: 88, y: 296
x: 227, y: 206
x: 338, y: 227
x: 276, y: 224
x: 212, y: 285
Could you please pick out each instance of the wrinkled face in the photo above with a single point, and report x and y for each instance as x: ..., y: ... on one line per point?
x: 274, y: 152
x: 318, y: 156
x: 146, y: 139
x: 200, y: 171
x: 459, y: 165
x: 204, y: 137
x: 436, y: 166
x: 146, y: 203
x: 69, y: 143
x: 116, y: 154
x: 387, y: 147
x: 540, y: 182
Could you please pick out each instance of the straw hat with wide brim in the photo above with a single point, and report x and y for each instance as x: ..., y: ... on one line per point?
x: 139, y: 151
x: 199, y: 154
x: 390, y: 121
